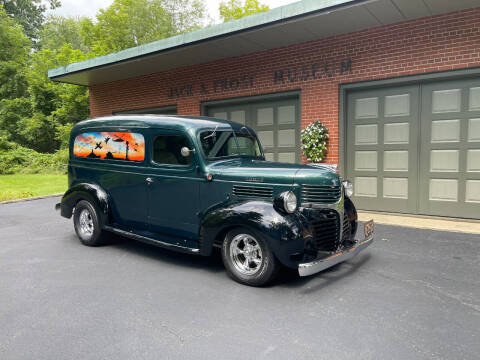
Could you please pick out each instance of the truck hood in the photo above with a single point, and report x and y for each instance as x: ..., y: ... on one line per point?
x: 257, y: 171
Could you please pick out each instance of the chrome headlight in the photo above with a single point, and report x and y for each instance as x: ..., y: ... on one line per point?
x: 347, y: 188
x: 289, y: 201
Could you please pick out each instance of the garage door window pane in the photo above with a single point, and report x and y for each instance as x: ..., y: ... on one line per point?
x: 444, y: 161
x: 269, y: 157
x: 366, y: 134
x: 474, y: 130
x: 473, y: 191
x: 446, y: 101
x: 395, y: 160
x: 365, y: 186
x: 286, y: 157
x: 397, y: 133
x: 366, y: 108
x: 474, y: 99
x: 473, y: 160
x: 445, y: 131
x: 266, y: 138
x: 220, y: 115
x: 238, y: 116
x: 286, y: 114
x: 265, y: 116
x: 395, y: 188
x: 286, y: 138
x: 397, y: 105
x: 366, y: 161
x: 443, y: 190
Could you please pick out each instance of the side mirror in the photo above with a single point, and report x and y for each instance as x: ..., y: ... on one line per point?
x: 185, y: 151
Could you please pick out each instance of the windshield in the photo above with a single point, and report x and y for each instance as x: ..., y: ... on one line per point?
x: 224, y: 143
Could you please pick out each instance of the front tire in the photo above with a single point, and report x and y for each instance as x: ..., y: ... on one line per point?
x: 86, y: 221
x: 248, y: 259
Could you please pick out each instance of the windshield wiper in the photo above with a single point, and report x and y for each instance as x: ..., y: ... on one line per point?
x: 212, y: 134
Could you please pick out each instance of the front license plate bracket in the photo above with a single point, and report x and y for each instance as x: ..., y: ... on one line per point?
x: 368, y: 229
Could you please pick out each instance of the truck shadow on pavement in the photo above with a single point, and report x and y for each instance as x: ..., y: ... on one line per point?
x: 287, y: 278
x: 212, y: 263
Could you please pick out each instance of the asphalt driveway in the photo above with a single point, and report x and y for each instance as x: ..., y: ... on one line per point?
x: 414, y: 294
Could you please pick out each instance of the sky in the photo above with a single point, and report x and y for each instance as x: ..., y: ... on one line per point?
x: 90, y: 7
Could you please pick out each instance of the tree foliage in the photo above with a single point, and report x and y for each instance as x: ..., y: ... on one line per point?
x: 58, y: 31
x: 29, y: 14
x: 36, y: 114
x: 233, y: 9
x: 129, y: 23
x: 14, y: 50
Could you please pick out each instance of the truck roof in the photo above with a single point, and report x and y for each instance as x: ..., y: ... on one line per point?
x: 174, y: 122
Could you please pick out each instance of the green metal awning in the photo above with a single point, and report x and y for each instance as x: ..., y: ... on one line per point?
x: 294, y: 23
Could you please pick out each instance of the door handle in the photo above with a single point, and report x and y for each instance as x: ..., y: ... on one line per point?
x: 149, y: 180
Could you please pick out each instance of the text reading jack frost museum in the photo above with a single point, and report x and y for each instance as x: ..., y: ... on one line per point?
x: 247, y: 81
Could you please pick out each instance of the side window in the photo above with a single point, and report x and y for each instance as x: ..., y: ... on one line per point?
x: 110, y: 145
x: 167, y: 150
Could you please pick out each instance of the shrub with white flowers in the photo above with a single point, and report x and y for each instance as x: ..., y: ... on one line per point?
x: 314, y: 141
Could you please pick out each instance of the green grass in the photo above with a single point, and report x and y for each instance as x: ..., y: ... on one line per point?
x: 22, y: 186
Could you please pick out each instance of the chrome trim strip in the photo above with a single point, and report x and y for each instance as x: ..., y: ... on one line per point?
x: 316, y: 266
x: 150, y: 240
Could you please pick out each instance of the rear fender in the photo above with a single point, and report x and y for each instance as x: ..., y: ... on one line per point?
x: 86, y: 191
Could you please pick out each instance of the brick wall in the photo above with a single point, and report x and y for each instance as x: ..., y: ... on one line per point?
x: 439, y: 43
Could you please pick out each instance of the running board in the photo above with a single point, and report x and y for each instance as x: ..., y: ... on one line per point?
x: 152, y: 241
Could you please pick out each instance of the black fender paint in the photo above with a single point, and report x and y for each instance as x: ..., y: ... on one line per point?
x: 352, y: 215
x: 85, y: 191
x: 282, y: 232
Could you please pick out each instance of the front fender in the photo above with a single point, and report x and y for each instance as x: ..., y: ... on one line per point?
x: 283, y: 232
x: 352, y: 215
x: 85, y: 191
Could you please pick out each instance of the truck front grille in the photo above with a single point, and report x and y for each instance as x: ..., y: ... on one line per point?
x: 347, y: 228
x: 326, y: 230
x: 321, y: 194
x: 253, y: 191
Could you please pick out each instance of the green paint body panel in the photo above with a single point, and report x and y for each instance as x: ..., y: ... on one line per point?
x: 180, y: 205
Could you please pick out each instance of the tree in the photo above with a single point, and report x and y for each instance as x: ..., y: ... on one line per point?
x: 58, y: 31
x: 38, y: 113
x: 129, y: 23
x: 39, y: 119
x: 233, y: 9
x: 14, y: 50
x: 30, y: 14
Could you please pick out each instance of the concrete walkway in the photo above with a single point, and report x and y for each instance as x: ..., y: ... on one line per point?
x: 423, y: 222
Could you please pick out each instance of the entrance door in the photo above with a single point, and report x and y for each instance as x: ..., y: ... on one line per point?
x: 173, y: 187
x: 450, y: 153
x: 277, y: 124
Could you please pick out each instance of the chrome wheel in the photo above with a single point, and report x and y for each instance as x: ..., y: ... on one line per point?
x: 246, y: 254
x: 86, y: 223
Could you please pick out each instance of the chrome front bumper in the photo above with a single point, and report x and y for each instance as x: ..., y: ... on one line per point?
x: 329, y: 261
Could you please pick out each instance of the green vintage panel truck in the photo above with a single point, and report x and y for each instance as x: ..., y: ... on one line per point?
x: 194, y: 183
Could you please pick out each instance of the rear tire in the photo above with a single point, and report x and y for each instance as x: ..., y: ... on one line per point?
x: 87, y: 224
x: 248, y: 259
